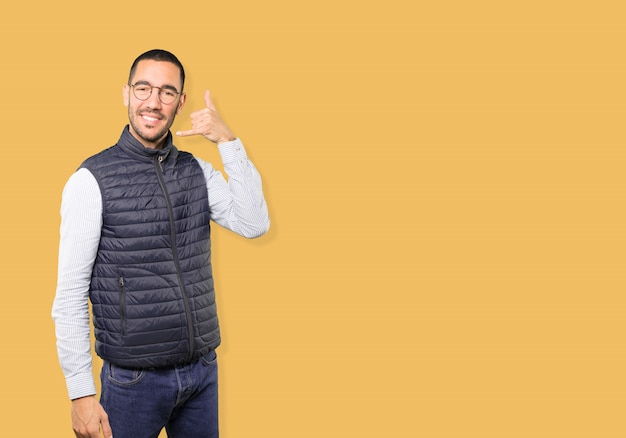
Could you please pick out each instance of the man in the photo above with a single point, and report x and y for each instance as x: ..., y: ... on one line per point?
x: 135, y: 240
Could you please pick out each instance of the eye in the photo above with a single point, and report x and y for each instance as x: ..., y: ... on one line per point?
x: 142, y: 88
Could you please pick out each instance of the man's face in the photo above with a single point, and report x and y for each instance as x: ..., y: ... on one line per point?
x: 150, y: 119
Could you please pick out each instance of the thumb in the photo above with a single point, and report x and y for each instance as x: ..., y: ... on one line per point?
x: 208, y: 101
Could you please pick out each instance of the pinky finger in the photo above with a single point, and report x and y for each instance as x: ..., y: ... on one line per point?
x: 187, y: 133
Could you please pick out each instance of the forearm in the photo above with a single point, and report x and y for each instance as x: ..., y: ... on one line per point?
x: 73, y: 343
x: 239, y: 204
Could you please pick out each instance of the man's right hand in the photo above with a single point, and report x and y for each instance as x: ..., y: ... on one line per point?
x: 88, y: 416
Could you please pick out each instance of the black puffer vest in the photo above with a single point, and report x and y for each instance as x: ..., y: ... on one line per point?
x: 152, y: 284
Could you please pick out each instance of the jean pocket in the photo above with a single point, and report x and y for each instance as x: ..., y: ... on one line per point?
x: 209, y: 358
x: 123, y: 376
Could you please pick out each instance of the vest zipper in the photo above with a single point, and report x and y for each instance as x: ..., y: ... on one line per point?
x: 161, y: 163
x: 159, y: 170
x: 123, y: 305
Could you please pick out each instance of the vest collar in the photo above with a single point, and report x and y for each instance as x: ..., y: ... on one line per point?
x: 135, y: 149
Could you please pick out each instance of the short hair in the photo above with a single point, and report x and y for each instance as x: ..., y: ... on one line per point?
x: 158, y: 55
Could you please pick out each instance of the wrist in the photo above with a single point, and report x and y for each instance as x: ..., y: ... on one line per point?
x: 226, y: 139
x: 83, y: 398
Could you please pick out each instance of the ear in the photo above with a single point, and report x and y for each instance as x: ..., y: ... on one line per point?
x: 126, y: 94
x: 181, y: 103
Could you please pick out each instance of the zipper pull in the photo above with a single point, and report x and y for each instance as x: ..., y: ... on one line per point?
x: 161, y: 163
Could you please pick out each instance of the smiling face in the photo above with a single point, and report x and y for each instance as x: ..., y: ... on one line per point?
x: 151, y: 119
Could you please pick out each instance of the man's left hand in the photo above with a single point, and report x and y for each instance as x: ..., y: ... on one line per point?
x: 207, y: 122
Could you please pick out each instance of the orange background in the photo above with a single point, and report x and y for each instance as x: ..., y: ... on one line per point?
x: 446, y: 186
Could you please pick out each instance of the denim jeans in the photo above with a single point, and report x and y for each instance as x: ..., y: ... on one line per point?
x: 183, y: 399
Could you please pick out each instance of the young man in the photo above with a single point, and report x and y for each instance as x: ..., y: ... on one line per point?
x: 135, y: 240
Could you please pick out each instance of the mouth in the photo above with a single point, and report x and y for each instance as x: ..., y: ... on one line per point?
x: 151, y: 118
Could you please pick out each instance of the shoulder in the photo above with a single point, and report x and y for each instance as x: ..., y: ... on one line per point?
x: 99, y: 158
x: 81, y: 187
x: 79, y: 179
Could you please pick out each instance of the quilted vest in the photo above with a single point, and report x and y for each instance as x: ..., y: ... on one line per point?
x: 151, y: 291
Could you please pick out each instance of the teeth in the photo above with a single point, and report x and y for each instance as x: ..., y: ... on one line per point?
x: 151, y: 119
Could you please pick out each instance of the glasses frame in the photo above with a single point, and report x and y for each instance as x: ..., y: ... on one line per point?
x: 152, y: 87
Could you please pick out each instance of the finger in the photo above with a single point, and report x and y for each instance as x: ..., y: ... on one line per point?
x: 188, y: 133
x: 106, y: 429
x: 199, y: 114
x: 208, y: 101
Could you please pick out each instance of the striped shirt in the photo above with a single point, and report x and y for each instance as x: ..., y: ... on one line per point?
x: 238, y: 205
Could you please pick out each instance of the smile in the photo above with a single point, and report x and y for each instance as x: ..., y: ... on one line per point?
x: 150, y: 119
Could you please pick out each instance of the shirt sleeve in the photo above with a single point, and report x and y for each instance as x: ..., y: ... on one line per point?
x: 81, y: 224
x: 239, y: 204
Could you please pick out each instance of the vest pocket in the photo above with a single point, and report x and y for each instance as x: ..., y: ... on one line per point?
x: 123, y: 304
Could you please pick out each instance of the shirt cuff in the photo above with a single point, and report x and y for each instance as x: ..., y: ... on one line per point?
x: 232, y: 151
x: 80, y: 385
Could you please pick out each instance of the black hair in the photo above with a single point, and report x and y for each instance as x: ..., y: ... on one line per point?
x: 158, y: 55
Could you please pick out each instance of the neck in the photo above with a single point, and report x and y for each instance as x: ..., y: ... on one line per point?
x: 158, y: 144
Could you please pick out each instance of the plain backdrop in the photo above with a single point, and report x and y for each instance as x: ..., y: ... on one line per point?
x: 446, y: 186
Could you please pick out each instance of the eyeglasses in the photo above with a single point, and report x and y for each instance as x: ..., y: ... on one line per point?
x: 144, y: 91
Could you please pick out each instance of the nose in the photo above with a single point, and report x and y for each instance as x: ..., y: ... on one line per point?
x: 153, y: 101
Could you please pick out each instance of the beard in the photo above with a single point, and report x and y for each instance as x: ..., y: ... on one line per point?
x: 143, y: 128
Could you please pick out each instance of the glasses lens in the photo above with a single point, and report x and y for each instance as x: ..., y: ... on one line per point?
x: 142, y: 92
x: 167, y: 96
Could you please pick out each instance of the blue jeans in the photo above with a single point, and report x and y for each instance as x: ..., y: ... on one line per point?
x: 183, y: 399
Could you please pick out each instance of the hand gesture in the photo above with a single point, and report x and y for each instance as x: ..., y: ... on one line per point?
x: 207, y: 122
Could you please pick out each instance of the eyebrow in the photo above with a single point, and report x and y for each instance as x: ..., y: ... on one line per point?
x: 165, y: 87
